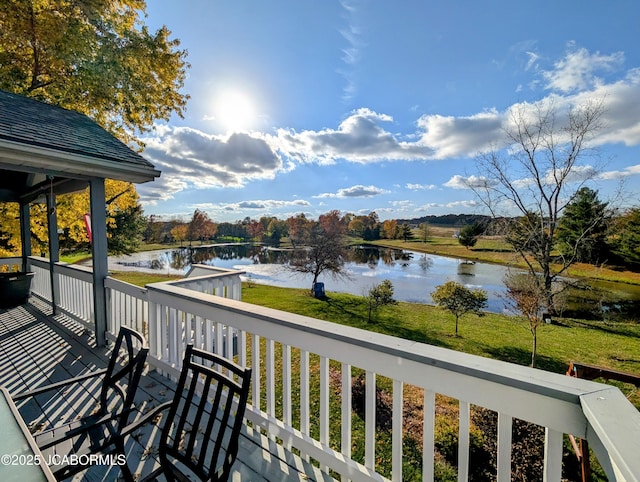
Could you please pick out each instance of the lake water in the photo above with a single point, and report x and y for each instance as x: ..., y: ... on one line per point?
x: 414, y: 275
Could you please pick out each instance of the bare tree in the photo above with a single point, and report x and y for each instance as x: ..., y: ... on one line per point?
x: 525, y: 296
x: 536, y: 175
x: 425, y: 231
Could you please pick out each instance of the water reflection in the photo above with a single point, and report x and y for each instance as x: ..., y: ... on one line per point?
x: 466, y: 268
x: 414, y: 275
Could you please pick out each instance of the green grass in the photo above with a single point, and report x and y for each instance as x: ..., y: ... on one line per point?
x: 613, y: 345
x: 142, y: 279
x: 75, y: 257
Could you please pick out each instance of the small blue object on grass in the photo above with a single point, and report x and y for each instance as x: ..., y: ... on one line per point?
x: 318, y: 290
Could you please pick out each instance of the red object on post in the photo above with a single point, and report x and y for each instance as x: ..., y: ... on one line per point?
x: 87, y: 223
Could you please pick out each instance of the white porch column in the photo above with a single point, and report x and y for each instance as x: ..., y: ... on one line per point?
x: 99, y: 254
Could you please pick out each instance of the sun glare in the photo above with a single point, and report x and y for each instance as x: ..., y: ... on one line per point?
x: 234, y: 111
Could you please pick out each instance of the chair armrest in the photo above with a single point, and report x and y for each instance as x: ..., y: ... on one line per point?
x: 87, y: 425
x: 146, y: 418
x: 57, y: 385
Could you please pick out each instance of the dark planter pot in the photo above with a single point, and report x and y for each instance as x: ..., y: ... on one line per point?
x: 14, y: 289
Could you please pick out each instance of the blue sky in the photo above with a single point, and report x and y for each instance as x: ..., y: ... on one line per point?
x: 362, y: 105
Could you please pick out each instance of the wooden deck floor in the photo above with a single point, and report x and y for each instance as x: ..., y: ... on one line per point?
x: 37, y: 349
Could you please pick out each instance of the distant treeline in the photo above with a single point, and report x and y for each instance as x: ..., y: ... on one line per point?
x: 449, y: 220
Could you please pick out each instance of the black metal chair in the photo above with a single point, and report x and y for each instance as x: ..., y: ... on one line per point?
x: 200, y: 432
x: 95, y: 433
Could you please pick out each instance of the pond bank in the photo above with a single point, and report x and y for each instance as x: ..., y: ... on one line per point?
x: 487, y: 251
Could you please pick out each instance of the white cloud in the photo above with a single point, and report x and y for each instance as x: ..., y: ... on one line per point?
x: 626, y: 172
x: 354, y: 191
x: 401, y: 204
x: 471, y: 203
x: 266, y: 204
x: 162, y: 189
x: 359, y: 138
x: 421, y: 187
x: 254, y: 208
x: 577, y: 174
x: 449, y: 137
x: 464, y: 204
x: 465, y: 182
x: 189, y: 157
x: 532, y: 59
x: 351, y: 53
x: 577, y: 70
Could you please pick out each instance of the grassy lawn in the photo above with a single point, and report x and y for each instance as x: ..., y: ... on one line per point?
x: 75, y: 257
x: 142, y: 279
x: 613, y: 345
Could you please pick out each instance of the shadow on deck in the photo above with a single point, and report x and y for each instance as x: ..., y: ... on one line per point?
x: 37, y: 349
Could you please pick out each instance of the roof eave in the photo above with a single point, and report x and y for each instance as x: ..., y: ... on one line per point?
x: 41, y: 159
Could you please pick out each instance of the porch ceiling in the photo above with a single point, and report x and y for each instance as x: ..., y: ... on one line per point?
x: 44, y: 147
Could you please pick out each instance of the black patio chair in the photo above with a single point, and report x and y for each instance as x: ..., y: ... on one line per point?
x: 95, y: 432
x: 201, y: 429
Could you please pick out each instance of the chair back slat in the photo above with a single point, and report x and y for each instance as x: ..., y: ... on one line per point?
x: 123, y: 373
x: 203, y: 424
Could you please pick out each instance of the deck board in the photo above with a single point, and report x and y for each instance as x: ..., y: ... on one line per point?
x: 38, y: 348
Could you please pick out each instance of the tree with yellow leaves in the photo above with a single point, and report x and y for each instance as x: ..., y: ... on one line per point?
x: 125, y: 222
x: 96, y: 57
x: 93, y: 56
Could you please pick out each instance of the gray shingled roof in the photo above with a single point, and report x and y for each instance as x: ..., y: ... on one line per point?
x: 29, y: 121
x: 44, y: 148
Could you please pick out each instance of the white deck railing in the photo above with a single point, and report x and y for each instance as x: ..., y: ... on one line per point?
x: 316, y: 360
x: 73, y: 288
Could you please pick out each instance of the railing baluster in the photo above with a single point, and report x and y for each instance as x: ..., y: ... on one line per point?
x: 229, y: 335
x: 286, y: 387
x: 345, y: 445
x: 199, y: 337
x: 174, y: 335
x: 121, y: 310
x: 428, y: 430
x: 189, y: 321
x: 370, y: 421
x: 396, y: 437
x: 164, y: 333
x: 242, y: 347
x: 505, y: 424
x: 154, y: 347
x: 219, y: 337
x: 126, y: 310
x: 552, y: 455
x: 208, y: 335
x: 255, y: 375
x: 324, y: 400
x: 304, y: 392
x: 271, y: 382
x: 463, y: 442
x: 286, y: 384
